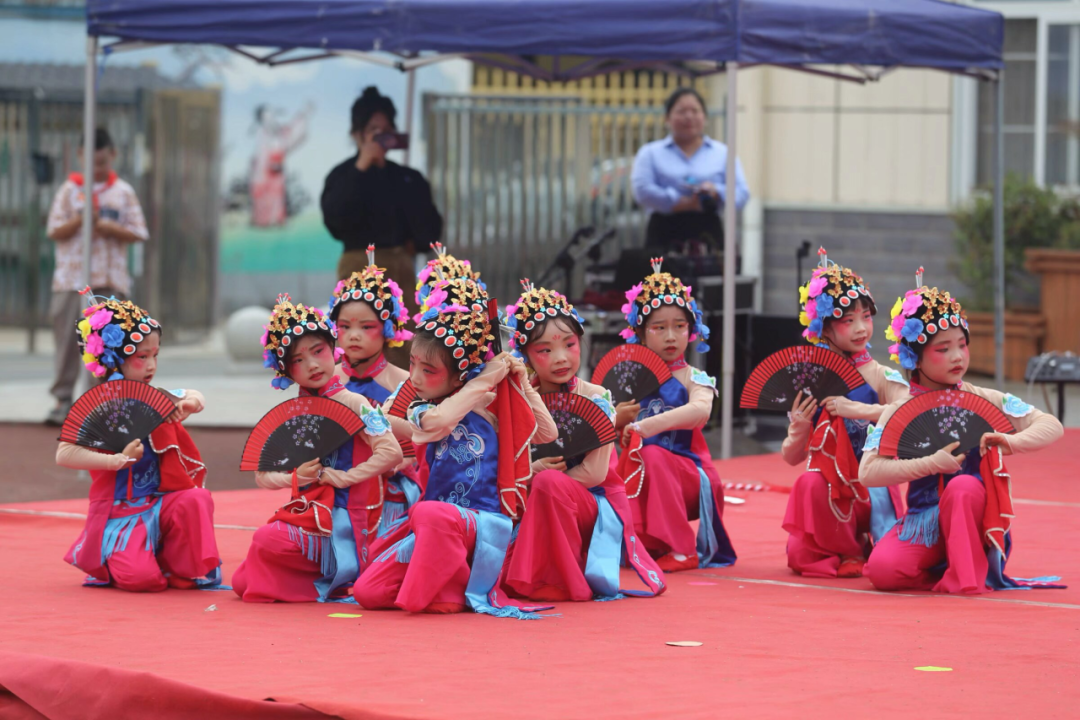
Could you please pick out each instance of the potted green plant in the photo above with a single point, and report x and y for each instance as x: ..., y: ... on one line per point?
x: 1035, y: 218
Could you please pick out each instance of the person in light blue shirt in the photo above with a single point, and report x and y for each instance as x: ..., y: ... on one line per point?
x: 682, y: 178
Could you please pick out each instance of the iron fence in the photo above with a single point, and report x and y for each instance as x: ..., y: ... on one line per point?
x: 39, y: 141
x: 515, y: 176
x: 167, y: 143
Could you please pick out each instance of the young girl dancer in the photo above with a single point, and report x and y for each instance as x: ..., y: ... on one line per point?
x: 287, y: 562
x: 369, y: 315
x: 151, y: 522
x: 476, y: 432
x: 954, y: 537
x: 669, y: 473
x: 579, y: 527
x: 828, y: 521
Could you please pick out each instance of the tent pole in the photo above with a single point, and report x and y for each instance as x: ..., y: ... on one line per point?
x: 999, y: 234
x: 82, y: 383
x: 89, y: 123
x: 727, y: 386
x: 410, y: 92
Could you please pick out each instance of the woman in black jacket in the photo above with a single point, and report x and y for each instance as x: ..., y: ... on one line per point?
x: 369, y: 200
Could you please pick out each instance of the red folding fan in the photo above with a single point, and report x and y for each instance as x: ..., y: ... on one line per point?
x: 111, y: 415
x: 926, y: 423
x: 406, y: 394
x: 631, y: 372
x: 822, y: 373
x: 583, y: 426
x: 297, y: 431
x: 404, y: 398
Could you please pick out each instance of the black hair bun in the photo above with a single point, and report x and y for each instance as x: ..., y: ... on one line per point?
x: 371, y: 101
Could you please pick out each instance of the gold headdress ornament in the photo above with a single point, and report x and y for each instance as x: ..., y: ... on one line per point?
x: 830, y: 290
x: 373, y: 286
x: 288, y: 323
x: 109, y: 331
x: 534, y: 307
x: 655, y: 291
x: 919, y: 315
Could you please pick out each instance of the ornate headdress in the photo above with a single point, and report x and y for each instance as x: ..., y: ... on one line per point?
x: 457, y: 291
x: 655, y: 291
x: 830, y: 290
x: 373, y: 286
x: 288, y: 323
x: 534, y: 307
x: 109, y: 331
x: 444, y: 267
x: 462, y: 325
x: 917, y: 317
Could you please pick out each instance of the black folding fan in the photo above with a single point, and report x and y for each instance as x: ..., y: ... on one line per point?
x: 297, y: 431
x: 631, y: 372
x: 111, y: 415
x: 926, y: 423
x: 822, y: 373
x: 583, y: 426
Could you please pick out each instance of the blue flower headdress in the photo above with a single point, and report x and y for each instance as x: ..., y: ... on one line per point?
x: 462, y: 325
x: 373, y: 286
x: 444, y: 267
x: 109, y: 331
x: 453, y: 291
x: 288, y: 323
x: 655, y: 291
x: 534, y: 307
x: 830, y: 290
x: 917, y: 317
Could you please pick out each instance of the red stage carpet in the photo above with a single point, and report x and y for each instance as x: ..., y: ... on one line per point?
x: 773, y: 644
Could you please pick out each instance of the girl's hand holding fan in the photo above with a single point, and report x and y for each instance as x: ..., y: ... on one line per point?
x: 802, y: 412
x: 626, y: 412
x: 134, y: 450
x: 310, y: 471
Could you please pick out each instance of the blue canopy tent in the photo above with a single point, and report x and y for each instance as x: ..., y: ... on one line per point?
x: 692, y: 37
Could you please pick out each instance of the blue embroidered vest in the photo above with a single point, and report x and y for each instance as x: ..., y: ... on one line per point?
x: 368, y: 388
x: 146, y: 476
x: 341, y: 459
x: 923, y: 493
x: 857, y: 429
x: 670, y: 395
x: 463, y: 466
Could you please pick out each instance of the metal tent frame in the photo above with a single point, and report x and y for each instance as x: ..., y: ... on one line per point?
x: 867, y: 11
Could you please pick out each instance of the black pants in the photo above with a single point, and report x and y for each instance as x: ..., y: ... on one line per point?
x: 670, y: 231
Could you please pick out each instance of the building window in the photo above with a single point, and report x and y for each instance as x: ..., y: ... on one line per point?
x: 1063, y: 106
x: 1020, y: 55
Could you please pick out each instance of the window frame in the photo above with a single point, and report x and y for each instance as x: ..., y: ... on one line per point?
x: 1045, y: 13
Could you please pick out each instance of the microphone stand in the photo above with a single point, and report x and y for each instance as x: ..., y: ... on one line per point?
x: 566, y: 261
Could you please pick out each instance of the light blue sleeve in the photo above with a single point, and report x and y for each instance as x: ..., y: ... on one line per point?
x: 873, y: 438
x: 646, y: 183
x: 416, y: 413
x: 742, y: 191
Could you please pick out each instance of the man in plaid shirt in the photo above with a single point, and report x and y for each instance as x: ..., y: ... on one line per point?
x: 118, y: 222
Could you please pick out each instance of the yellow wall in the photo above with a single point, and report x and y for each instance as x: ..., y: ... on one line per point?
x: 642, y: 88
x: 807, y: 139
